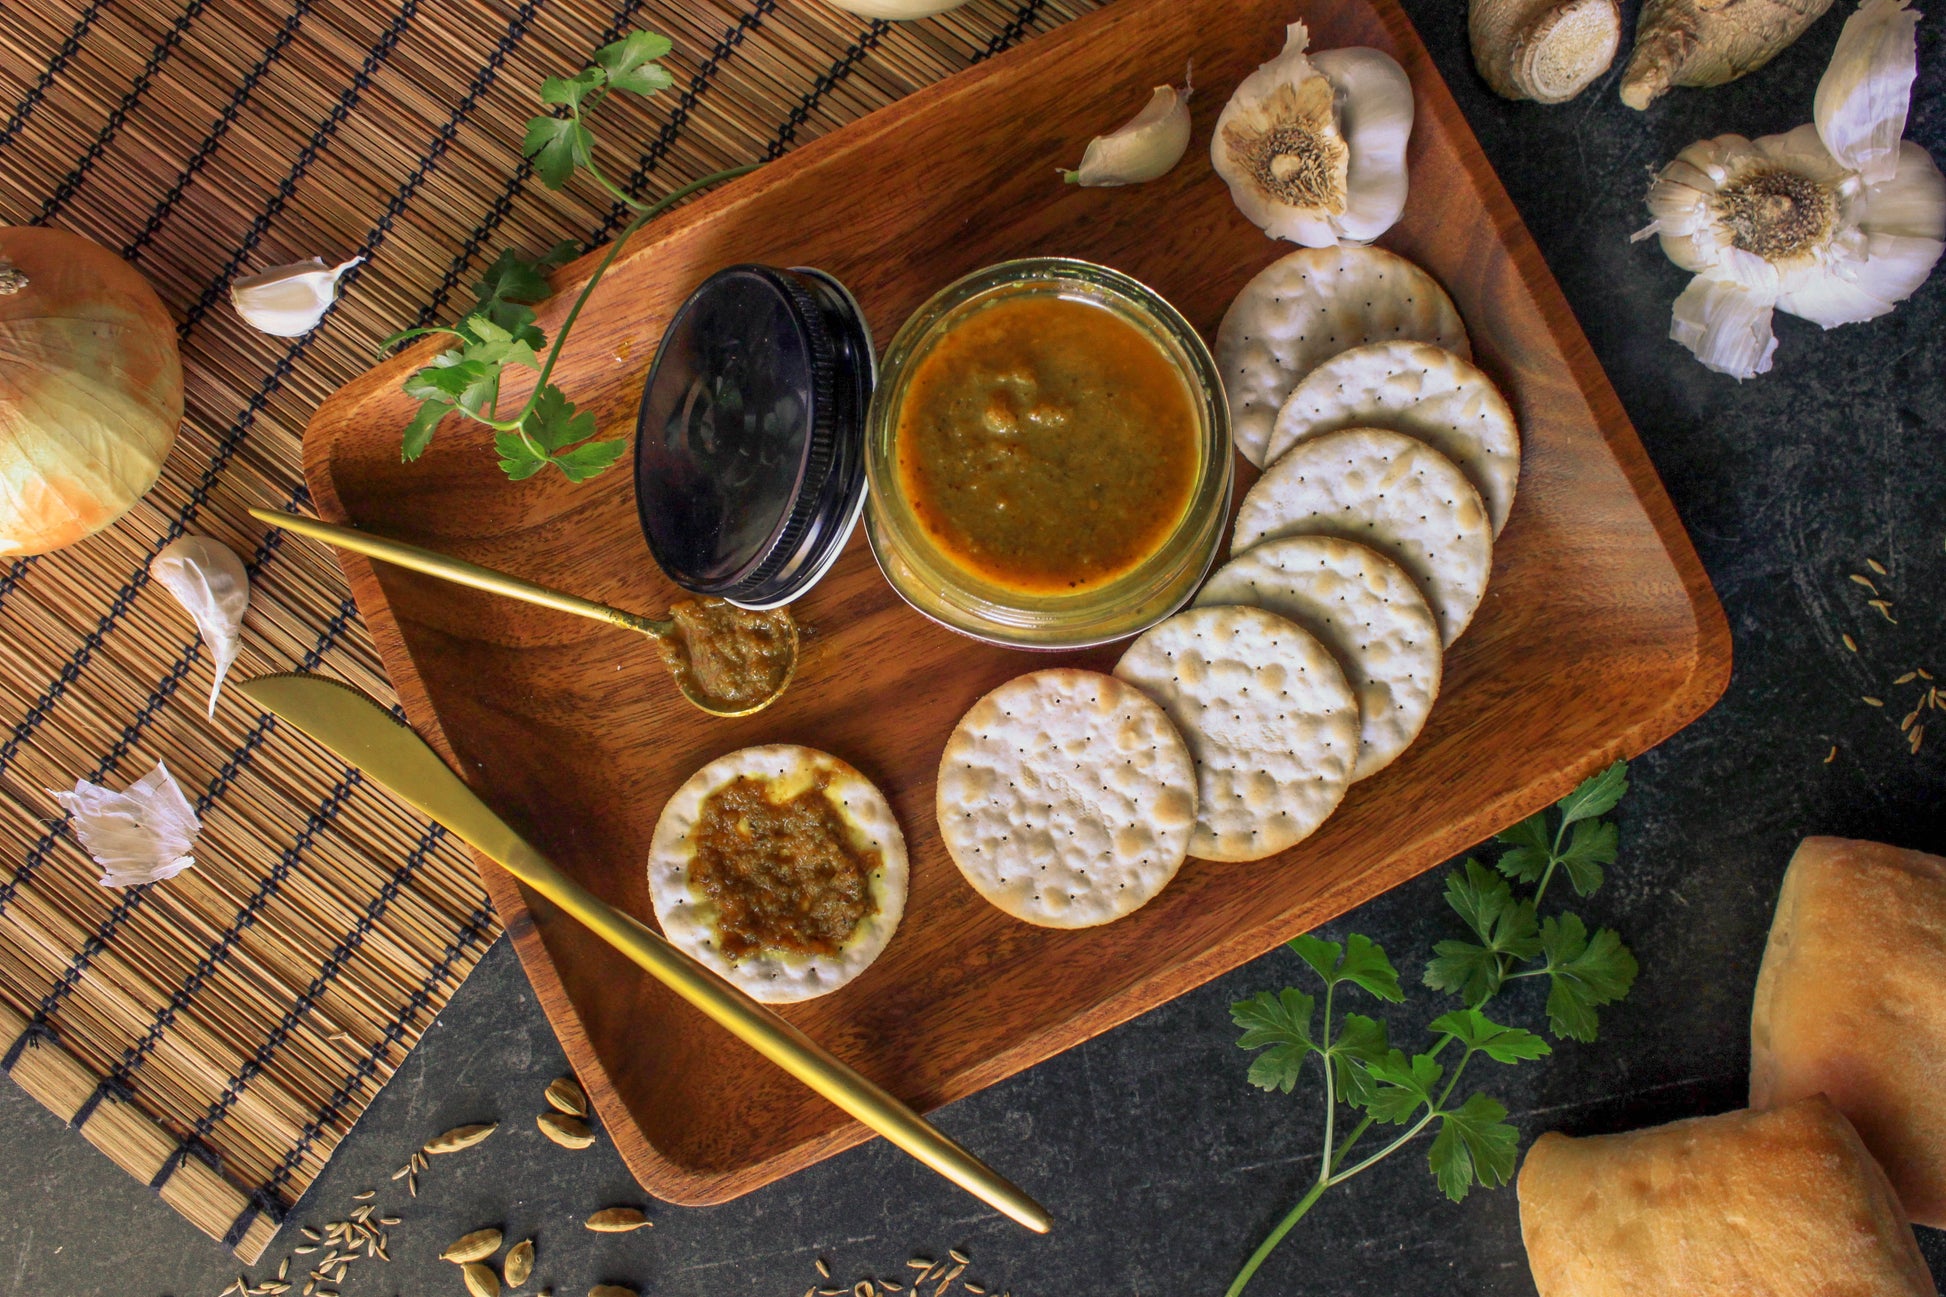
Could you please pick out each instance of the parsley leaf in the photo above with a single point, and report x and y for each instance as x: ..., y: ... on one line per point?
x: 631, y: 66
x: 418, y: 433
x: 1480, y: 1033
x: 1360, y: 1041
x: 1533, y: 847
x: 1281, y: 1020
x: 557, y: 146
x: 1584, y: 973
x: 568, y: 92
x: 1507, y: 929
x: 1596, y: 794
x: 1592, y: 845
x: 1474, y: 1143
x: 590, y: 458
x: 1360, y: 961
x: 1402, y: 1086
x: 517, y: 459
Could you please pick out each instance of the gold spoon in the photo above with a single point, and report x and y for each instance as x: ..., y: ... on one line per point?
x: 675, y: 643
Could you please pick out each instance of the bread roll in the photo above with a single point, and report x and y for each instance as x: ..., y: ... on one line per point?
x: 1851, y: 1003
x: 1785, y: 1203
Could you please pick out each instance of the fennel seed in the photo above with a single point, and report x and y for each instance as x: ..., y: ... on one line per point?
x: 1873, y: 702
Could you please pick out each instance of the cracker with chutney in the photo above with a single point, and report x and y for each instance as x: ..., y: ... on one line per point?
x: 1066, y: 798
x: 781, y: 868
x: 1303, y: 309
x: 1391, y: 492
x: 1267, y: 715
x: 1418, y: 389
x: 1366, y: 611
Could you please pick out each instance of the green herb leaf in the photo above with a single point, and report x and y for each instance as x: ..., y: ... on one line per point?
x: 1401, y: 1086
x: 1474, y: 1143
x: 1320, y: 954
x: 1481, y: 1034
x: 1360, y: 961
x: 418, y: 433
x: 557, y: 145
x: 568, y: 92
x: 554, y: 423
x: 1366, y: 966
x: 1360, y: 1040
x: 630, y: 63
x: 1478, y: 896
x: 1532, y: 847
x: 590, y: 458
x: 1507, y: 930
x: 1592, y: 845
x: 1584, y: 973
x: 517, y: 459
x: 1596, y: 795
x: 1281, y: 1020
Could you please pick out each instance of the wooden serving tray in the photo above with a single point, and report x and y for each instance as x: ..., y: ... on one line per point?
x: 1599, y: 636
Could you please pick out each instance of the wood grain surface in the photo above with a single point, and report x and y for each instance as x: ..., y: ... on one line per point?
x: 1599, y: 636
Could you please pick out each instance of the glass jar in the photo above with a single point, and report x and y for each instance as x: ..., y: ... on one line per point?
x: 946, y: 591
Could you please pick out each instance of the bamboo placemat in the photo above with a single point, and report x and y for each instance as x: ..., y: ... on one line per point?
x: 218, y: 1034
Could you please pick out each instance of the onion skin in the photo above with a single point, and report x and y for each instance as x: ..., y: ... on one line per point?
x: 90, y: 390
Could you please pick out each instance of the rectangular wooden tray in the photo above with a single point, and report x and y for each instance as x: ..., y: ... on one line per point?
x: 1599, y: 637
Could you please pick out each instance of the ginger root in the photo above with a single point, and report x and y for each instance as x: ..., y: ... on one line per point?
x: 1709, y: 42
x: 1544, y: 50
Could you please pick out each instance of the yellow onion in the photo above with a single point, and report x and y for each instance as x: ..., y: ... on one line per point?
x: 90, y: 388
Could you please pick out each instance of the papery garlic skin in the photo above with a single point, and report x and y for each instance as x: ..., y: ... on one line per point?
x: 143, y: 834
x: 288, y: 301
x: 1863, y: 97
x: 209, y: 580
x: 1145, y: 147
x: 1313, y: 148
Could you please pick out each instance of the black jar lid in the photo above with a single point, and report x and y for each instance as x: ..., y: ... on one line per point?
x: 749, y: 448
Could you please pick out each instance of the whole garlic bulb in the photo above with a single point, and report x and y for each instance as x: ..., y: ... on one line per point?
x: 1313, y: 147
x: 1836, y: 222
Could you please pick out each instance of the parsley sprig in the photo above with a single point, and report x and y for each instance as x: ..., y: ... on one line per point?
x: 499, y: 330
x: 1365, y: 1073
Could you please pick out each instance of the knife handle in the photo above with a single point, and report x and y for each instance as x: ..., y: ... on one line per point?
x: 773, y: 1037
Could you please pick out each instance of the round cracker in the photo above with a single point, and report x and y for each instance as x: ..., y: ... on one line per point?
x: 1391, y: 492
x: 688, y: 918
x: 1066, y: 798
x: 1366, y: 611
x: 1267, y: 715
x: 1306, y: 308
x: 1418, y: 389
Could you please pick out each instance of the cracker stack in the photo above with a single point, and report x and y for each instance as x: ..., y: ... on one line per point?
x: 1308, y: 662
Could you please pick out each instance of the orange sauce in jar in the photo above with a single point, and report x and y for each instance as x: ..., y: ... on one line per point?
x: 1046, y: 444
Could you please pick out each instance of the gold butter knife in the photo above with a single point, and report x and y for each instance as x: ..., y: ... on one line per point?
x: 365, y: 735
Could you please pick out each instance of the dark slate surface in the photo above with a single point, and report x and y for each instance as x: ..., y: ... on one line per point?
x: 1162, y: 1164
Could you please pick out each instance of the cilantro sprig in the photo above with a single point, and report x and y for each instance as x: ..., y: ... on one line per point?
x: 499, y: 330
x: 1374, y: 1080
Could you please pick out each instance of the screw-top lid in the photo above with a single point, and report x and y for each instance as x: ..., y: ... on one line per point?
x: 749, y: 465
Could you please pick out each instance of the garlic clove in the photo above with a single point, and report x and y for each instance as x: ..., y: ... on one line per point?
x: 1725, y: 325
x: 1374, y: 100
x: 143, y: 834
x: 1145, y: 147
x: 289, y: 301
x: 209, y: 580
x: 1912, y: 202
x: 1862, y: 100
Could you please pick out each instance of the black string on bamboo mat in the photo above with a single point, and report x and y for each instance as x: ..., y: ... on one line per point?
x: 477, y: 926
x: 218, y: 129
x: 55, y: 66
x: 826, y: 82
x: 110, y: 129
